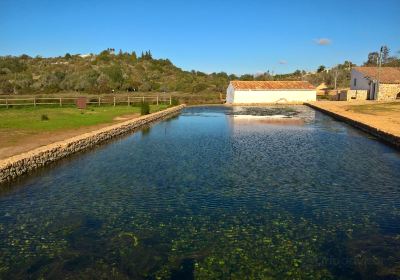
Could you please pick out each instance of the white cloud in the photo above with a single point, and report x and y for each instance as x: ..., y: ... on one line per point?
x: 323, y: 41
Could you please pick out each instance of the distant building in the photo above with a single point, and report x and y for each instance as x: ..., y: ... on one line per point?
x: 322, y: 89
x: 258, y: 92
x: 366, y: 79
x: 85, y: 55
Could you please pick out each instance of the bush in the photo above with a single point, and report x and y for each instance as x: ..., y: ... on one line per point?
x: 144, y: 108
x: 174, y: 102
x: 44, y: 117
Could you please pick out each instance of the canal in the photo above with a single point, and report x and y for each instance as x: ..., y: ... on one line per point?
x: 215, y: 193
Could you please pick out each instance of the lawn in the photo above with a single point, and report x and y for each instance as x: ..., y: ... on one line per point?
x: 376, y: 108
x: 25, y: 128
x: 33, y: 119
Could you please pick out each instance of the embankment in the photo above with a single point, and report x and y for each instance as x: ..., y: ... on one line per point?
x: 375, y: 130
x: 18, y: 165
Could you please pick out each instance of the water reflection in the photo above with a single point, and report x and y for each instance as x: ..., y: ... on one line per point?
x: 259, y: 119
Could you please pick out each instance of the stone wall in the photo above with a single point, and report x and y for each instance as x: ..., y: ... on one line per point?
x: 348, y: 95
x: 15, y: 166
x: 387, y: 137
x: 388, y: 91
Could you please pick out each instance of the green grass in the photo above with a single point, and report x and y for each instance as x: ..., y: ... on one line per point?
x: 375, y: 108
x: 33, y: 120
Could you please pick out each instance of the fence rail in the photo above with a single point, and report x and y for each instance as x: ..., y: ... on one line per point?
x: 65, y: 101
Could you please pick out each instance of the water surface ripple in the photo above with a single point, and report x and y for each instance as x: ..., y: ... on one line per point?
x: 215, y: 193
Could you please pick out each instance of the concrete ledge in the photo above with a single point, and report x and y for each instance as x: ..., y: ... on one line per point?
x: 18, y: 165
x: 263, y: 104
x: 386, y: 137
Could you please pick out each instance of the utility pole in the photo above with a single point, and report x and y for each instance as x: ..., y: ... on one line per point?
x: 335, y: 73
x: 379, y: 73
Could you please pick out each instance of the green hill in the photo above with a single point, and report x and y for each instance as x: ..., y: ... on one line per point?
x: 102, y: 73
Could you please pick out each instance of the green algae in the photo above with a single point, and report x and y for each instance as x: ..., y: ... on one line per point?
x: 198, y: 203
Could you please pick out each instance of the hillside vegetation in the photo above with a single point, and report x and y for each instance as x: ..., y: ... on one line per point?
x: 126, y: 72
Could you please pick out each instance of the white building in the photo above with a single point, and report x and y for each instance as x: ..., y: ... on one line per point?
x: 368, y: 78
x: 258, y: 92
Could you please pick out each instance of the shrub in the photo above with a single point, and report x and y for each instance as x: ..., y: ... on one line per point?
x: 175, y: 102
x: 44, y: 117
x: 144, y: 108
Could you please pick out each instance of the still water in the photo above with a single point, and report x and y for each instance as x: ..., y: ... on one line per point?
x: 214, y: 193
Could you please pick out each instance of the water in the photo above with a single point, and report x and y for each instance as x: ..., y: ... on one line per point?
x: 215, y: 193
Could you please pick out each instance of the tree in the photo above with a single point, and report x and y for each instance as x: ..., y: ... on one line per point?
x: 104, y: 56
x: 385, y: 54
x: 68, y: 56
x: 247, y: 77
x: 372, y: 58
x: 116, y: 75
x: 321, y: 69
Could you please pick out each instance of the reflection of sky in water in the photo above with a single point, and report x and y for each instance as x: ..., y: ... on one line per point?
x: 209, y: 196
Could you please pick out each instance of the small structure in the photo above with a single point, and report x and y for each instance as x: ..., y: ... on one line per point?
x: 258, y: 92
x: 322, y: 89
x: 373, y: 83
x: 81, y: 102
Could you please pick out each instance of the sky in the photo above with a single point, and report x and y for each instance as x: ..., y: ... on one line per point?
x: 210, y: 35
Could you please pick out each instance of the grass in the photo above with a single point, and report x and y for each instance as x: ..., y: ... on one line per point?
x: 376, y: 108
x: 42, y: 119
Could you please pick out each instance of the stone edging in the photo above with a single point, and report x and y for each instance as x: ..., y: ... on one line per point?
x: 12, y: 167
x: 388, y: 138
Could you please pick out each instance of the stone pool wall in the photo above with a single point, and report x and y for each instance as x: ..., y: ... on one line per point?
x: 18, y: 165
x: 387, y: 137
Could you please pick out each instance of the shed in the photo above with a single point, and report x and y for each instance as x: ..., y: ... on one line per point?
x: 258, y: 92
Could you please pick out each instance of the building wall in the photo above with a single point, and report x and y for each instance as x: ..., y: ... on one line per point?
x: 388, y: 91
x: 362, y: 82
x: 349, y: 95
x: 269, y: 96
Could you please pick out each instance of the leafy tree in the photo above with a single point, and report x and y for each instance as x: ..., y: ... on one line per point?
x: 104, y: 56
x: 116, y: 75
x: 321, y: 69
x: 372, y: 58
x: 385, y: 54
x: 247, y: 77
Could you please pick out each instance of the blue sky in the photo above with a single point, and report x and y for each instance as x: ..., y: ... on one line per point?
x: 209, y: 35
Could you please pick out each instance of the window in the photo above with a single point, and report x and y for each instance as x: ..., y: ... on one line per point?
x: 355, y: 82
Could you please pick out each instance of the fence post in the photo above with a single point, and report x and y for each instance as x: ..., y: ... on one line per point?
x: 60, y: 102
x: 129, y: 101
x: 34, y: 102
x: 6, y: 103
x: 170, y: 100
x: 99, y: 101
x: 143, y: 99
x: 157, y: 100
x: 114, y: 101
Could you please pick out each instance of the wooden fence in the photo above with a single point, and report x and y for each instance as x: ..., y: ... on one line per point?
x: 99, y: 101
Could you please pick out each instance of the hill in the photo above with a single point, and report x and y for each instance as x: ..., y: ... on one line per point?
x: 126, y: 72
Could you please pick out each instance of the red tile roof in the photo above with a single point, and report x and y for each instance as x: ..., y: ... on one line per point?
x: 388, y: 75
x: 272, y: 85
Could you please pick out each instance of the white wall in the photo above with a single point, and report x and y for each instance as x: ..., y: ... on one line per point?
x: 362, y: 82
x: 269, y: 96
x: 229, y: 94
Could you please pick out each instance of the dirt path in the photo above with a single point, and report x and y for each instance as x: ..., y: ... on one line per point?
x: 16, y: 142
x: 384, y: 116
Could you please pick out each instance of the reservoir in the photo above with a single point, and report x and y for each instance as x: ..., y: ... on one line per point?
x: 281, y: 192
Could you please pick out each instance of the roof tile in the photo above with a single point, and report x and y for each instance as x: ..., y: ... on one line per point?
x: 388, y: 75
x: 272, y: 85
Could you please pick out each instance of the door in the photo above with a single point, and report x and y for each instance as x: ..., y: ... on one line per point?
x: 372, y: 89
